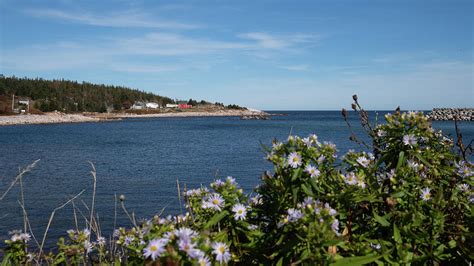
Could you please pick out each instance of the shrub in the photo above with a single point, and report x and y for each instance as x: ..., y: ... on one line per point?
x: 409, y: 200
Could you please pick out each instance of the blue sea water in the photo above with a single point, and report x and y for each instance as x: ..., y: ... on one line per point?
x: 143, y: 158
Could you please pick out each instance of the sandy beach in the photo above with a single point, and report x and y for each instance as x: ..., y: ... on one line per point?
x: 57, y: 117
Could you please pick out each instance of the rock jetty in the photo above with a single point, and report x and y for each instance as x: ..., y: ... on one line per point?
x: 461, y: 114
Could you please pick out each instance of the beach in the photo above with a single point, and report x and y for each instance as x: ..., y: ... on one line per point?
x: 58, y: 117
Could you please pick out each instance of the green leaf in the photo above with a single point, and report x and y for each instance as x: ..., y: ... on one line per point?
x: 396, y: 234
x: 6, y: 260
x: 423, y: 160
x: 381, y: 220
x: 361, y: 260
x: 215, y: 219
x: 306, y: 190
x: 296, y: 174
x: 401, y: 157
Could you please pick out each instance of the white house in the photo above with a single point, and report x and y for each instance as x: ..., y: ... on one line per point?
x: 138, y: 106
x: 152, y: 105
x: 169, y: 105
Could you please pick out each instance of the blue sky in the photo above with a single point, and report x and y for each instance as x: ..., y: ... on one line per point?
x: 272, y: 55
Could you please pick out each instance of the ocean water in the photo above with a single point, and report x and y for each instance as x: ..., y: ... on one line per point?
x: 142, y: 159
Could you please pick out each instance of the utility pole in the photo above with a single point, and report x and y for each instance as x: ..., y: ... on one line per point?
x: 13, y: 102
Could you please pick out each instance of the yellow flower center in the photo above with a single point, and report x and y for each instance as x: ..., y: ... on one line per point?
x: 221, y: 249
x: 239, y: 211
x: 215, y: 201
x: 295, y: 159
x: 153, y: 248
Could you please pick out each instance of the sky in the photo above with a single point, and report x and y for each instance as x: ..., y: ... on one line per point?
x: 270, y: 55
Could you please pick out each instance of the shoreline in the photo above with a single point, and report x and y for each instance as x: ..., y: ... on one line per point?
x: 62, y: 118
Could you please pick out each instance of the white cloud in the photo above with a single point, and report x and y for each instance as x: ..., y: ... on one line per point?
x: 118, y: 19
x: 266, y: 40
x: 296, y: 67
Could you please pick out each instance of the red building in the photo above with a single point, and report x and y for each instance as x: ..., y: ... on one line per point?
x: 184, y: 106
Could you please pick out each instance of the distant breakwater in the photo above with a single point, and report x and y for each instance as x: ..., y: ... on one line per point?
x: 461, y: 114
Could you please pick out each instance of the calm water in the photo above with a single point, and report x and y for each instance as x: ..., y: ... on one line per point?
x: 142, y: 158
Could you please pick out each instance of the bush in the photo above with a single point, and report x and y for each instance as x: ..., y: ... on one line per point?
x: 409, y: 201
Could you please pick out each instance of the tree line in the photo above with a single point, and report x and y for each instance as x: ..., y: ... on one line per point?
x: 73, y: 96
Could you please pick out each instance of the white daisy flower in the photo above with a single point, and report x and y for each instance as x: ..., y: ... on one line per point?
x: 350, y: 178
x: 216, y: 201
x: 409, y: 140
x: 155, y: 248
x: 425, y: 194
x: 312, y: 171
x: 294, y: 160
x: 204, y: 261
x: 240, y: 211
x: 221, y: 251
x: 363, y: 161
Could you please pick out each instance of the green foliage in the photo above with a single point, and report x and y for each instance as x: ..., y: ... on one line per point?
x: 408, y: 202
x: 72, y: 96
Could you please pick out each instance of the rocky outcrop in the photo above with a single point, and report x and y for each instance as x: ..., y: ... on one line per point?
x: 461, y: 114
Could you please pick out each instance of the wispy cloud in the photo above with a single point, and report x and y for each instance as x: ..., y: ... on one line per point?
x: 296, y: 67
x: 117, y: 19
x: 266, y: 40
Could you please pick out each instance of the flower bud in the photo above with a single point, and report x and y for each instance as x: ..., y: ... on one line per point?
x: 354, y: 97
x: 122, y: 197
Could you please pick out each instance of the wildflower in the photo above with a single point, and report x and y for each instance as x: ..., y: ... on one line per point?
x: 335, y: 226
x: 464, y: 170
x: 15, y: 238
x: 87, y: 246
x: 464, y: 187
x: 216, y: 201
x: 252, y: 227
x: 321, y: 159
x: 70, y: 232
x: 294, y: 215
x: 25, y: 237
x: 413, y: 165
x: 221, y: 251
x: 330, y: 210
x: 363, y: 161
x: 155, y: 248
x: 308, y: 202
x: 193, y: 192
x: 294, y: 160
x: 381, y: 133
x: 409, y: 140
x: 231, y: 180
x: 185, y: 245
x: 314, y: 139
x: 375, y: 246
x: 257, y: 200
x: 240, y: 211
x: 277, y: 145
x: 350, y: 178
x: 115, y: 234
x: 195, y: 253
x: 128, y: 240
x: 218, y: 183
x: 361, y: 183
x: 101, y: 241
x: 86, y: 232
x: 425, y: 194
x: 204, y: 261
x: 185, y: 233
x: 307, y: 141
x: 312, y: 171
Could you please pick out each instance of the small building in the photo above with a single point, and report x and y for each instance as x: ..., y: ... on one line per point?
x: 138, y: 106
x: 184, y: 106
x: 152, y: 105
x: 24, y: 101
x: 171, y: 105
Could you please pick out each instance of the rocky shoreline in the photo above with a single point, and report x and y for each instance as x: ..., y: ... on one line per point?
x: 449, y: 114
x: 57, y: 117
